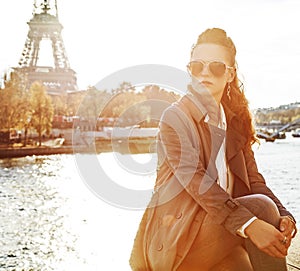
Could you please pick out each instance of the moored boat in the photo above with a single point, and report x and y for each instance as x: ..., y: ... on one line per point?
x: 296, y: 133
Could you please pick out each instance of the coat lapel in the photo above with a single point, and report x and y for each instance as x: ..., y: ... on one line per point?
x: 235, y: 143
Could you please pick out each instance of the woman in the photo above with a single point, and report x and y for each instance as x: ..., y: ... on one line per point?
x: 211, y: 208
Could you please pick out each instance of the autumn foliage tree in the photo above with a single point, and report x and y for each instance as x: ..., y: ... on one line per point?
x: 93, y: 103
x: 14, y: 104
x: 41, y: 110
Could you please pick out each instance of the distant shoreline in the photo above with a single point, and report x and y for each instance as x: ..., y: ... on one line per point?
x: 29, y: 151
x: 133, y: 145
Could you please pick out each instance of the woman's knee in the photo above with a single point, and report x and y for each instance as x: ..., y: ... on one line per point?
x: 261, y: 206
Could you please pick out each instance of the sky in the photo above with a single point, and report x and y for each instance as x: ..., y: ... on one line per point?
x: 103, y: 37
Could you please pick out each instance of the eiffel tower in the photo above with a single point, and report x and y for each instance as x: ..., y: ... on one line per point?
x: 58, y: 77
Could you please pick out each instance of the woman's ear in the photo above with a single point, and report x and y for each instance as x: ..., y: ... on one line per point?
x: 231, y: 75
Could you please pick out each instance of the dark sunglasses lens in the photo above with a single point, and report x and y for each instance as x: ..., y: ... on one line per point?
x: 196, y: 68
x: 217, y: 68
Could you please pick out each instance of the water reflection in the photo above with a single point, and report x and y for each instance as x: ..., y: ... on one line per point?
x: 32, y: 233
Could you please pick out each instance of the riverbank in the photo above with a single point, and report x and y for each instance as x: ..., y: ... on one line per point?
x: 121, y: 145
x: 12, y: 152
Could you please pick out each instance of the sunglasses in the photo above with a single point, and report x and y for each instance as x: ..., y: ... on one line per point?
x: 217, y: 68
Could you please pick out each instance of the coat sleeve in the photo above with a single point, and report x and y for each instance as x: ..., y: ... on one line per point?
x: 258, y: 183
x: 185, y: 157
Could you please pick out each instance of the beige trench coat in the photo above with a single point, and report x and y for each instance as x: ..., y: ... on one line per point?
x: 186, y: 187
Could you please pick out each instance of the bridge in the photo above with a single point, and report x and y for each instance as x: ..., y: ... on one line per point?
x: 271, y: 137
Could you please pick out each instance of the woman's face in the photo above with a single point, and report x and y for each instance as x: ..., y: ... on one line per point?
x: 214, y: 76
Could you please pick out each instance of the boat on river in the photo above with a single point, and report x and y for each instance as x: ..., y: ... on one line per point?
x: 296, y: 133
x: 269, y: 136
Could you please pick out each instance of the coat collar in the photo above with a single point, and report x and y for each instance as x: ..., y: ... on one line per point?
x: 235, y: 141
x: 197, y: 109
x: 197, y: 104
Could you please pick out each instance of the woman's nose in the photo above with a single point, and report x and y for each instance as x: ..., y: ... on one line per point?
x: 205, y: 69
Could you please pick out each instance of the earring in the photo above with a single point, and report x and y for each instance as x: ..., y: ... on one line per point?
x: 228, y: 92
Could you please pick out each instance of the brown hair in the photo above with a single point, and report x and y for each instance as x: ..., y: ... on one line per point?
x: 237, y: 102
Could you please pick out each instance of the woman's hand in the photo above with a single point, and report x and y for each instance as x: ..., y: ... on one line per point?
x: 288, y: 228
x: 268, y: 239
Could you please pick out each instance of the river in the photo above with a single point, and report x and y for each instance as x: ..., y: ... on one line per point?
x: 52, y: 220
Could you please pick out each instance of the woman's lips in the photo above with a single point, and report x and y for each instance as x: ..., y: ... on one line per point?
x: 206, y: 83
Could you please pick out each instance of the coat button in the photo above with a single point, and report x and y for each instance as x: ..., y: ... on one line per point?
x: 160, y: 247
x: 178, y: 216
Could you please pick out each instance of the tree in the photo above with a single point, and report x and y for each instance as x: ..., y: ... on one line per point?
x: 123, y: 87
x: 14, y: 104
x: 42, y: 110
x: 157, y: 93
x: 73, y: 102
x: 130, y: 106
x: 59, y: 104
x: 93, y: 103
